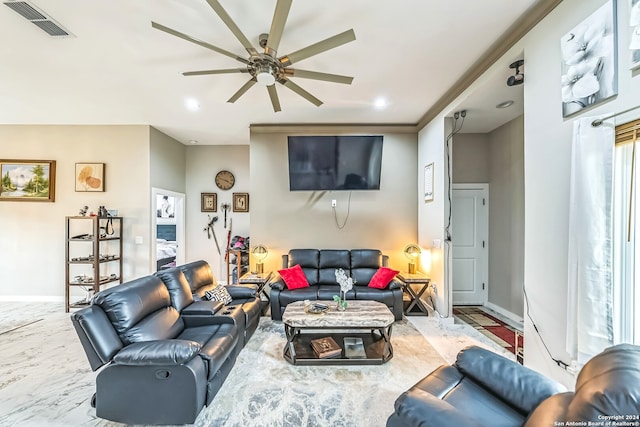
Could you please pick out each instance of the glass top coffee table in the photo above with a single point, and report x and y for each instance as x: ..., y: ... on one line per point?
x: 362, y: 331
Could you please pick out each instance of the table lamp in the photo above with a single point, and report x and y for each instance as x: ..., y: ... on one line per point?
x: 412, y: 252
x: 260, y: 252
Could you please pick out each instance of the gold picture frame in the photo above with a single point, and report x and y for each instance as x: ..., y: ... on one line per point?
x: 241, y: 202
x: 27, y: 180
x: 89, y: 177
x: 208, y: 202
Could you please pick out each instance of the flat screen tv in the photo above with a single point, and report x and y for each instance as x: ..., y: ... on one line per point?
x: 328, y: 163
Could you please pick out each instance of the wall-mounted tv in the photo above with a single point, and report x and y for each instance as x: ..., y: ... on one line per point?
x: 331, y: 163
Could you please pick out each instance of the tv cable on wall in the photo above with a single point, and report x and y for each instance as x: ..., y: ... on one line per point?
x: 335, y: 214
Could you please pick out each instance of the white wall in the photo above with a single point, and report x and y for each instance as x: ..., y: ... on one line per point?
x: 547, y: 152
x: 202, y: 165
x: 547, y: 169
x: 433, y: 215
x: 32, y: 235
x: 283, y: 220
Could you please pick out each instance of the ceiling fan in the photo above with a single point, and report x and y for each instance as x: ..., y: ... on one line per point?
x: 266, y: 67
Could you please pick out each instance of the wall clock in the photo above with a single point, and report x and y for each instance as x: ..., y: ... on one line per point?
x: 225, y: 180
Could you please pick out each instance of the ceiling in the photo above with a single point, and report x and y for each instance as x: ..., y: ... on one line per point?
x: 117, y: 69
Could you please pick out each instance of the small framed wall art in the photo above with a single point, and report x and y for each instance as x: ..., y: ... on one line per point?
x: 208, y: 202
x: 89, y: 177
x: 27, y: 180
x: 241, y: 202
x: 428, y: 182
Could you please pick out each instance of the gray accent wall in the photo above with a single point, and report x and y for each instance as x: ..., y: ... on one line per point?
x: 167, y: 162
x: 384, y: 219
x: 471, y: 155
x: 497, y: 158
x: 506, y: 216
x: 203, y: 163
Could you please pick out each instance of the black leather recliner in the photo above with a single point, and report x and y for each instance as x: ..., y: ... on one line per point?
x: 319, y: 267
x: 159, y: 365
x: 483, y: 389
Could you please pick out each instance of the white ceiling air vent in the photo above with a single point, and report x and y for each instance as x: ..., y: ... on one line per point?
x: 38, y: 17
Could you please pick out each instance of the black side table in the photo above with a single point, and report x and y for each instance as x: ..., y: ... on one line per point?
x: 423, y: 281
x: 261, y: 280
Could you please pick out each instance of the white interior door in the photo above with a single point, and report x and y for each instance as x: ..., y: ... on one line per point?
x: 470, y: 232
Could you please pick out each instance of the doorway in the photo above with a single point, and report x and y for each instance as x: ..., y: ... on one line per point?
x: 470, y: 234
x: 167, y: 229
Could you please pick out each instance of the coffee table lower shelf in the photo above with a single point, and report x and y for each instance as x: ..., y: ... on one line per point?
x: 298, y: 350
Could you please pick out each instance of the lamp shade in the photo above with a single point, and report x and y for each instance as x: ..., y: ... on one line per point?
x: 260, y: 252
x: 412, y: 252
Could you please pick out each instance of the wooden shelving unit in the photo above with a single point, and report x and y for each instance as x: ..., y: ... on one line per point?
x: 94, y: 242
x: 238, y: 263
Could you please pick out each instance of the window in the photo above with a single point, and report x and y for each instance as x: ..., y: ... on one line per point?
x: 626, y: 239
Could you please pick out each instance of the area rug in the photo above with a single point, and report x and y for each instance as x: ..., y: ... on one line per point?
x: 265, y: 390
x: 490, y: 326
x: 45, y: 380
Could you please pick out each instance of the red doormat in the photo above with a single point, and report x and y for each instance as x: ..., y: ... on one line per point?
x: 491, y: 327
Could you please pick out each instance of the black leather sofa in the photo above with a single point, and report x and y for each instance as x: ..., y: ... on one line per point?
x: 163, y: 353
x: 319, y: 268
x: 201, y: 279
x: 483, y: 389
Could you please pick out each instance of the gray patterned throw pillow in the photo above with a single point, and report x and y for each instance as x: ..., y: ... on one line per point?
x: 219, y: 293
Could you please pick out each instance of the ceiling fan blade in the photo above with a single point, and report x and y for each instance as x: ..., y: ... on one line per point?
x: 207, y: 72
x: 198, y: 42
x: 303, y: 93
x: 242, y: 90
x: 274, y: 98
x: 217, y: 7
x: 277, y: 26
x: 304, y: 74
x: 316, y: 48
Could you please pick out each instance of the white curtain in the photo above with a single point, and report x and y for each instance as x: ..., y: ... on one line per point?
x: 590, y: 287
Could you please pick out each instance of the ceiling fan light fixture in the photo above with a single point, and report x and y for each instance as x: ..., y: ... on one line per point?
x: 265, y: 74
x: 265, y: 67
x: 266, y: 78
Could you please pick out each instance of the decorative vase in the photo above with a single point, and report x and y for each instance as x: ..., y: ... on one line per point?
x: 342, y: 302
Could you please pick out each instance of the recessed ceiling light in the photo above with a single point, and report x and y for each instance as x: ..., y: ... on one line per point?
x: 192, y: 104
x: 380, y: 103
x: 193, y: 141
x: 505, y: 104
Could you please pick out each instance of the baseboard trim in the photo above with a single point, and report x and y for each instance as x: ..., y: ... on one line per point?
x: 30, y: 298
x: 505, y: 313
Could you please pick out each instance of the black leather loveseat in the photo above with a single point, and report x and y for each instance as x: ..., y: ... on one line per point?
x: 483, y: 389
x: 163, y: 353
x: 319, y: 268
x: 201, y: 279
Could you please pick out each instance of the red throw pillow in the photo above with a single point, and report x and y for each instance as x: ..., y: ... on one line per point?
x: 294, y: 277
x: 383, y: 276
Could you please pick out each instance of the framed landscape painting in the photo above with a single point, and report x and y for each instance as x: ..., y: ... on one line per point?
x: 28, y: 180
